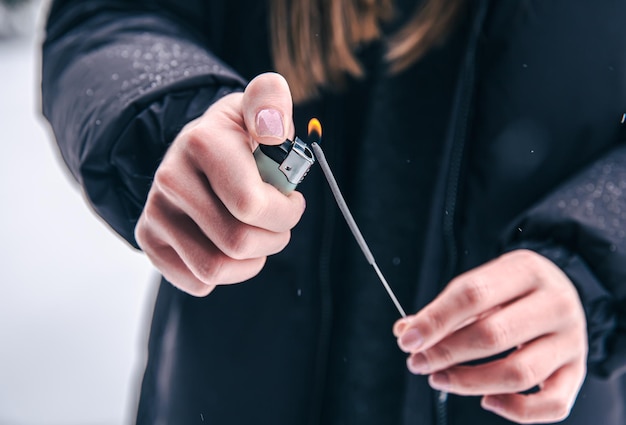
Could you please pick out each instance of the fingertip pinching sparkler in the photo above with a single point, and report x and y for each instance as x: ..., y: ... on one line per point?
x: 285, y: 166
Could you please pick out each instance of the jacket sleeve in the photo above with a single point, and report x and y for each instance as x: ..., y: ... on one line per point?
x: 119, y: 81
x: 582, y: 228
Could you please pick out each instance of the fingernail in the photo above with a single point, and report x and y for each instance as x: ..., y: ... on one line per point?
x: 411, y: 340
x: 399, y: 327
x: 492, y: 403
x: 440, y: 381
x: 269, y: 123
x: 418, y: 364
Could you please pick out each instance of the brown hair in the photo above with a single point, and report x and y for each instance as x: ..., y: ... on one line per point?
x: 314, y: 42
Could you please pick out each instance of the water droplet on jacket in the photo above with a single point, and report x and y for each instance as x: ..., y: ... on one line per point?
x: 98, y: 122
x: 299, y: 292
x: 524, y: 65
x: 395, y: 261
x: 115, y: 77
x: 89, y: 92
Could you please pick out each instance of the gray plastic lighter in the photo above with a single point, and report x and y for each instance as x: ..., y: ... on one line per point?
x: 284, y: 166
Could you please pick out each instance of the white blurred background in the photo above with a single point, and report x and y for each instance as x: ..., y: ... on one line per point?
x: 75, y: 300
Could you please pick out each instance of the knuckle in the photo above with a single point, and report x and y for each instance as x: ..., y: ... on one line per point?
x: 527, y: 256
x: 149, y: 245
x: 524, y: 415
x: 285, y: 237
x: 559, y: 408
x: 527, y: 260
x: 562, y: 410
x: 440, y: 354
x: 151, y: 215
x: 293, y: 215
x: 521, y: 375
x: 492, y: 335
x: 195, y: 140
x: 143, y: 240
x: 572, y: 309
x: 140, y: 233
x: 166, y: 179
x: 165, y: 176
x: 209, y: 271
x: 437, y: 320
x: 474, y: 291
x: 249, y: 206
x: 239, y: 243
x: 256, y: 269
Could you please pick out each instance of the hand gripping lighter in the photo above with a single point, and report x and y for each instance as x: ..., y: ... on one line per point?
x: 284, y: 166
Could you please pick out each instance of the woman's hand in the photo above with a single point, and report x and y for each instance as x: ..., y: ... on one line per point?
x: 209, y: 218
x: 519, y: 301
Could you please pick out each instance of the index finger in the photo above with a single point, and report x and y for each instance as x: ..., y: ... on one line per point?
x: 466, y: 298
x: 222, y: 150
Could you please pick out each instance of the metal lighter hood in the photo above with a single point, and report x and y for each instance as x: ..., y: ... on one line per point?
x: 284, y: 166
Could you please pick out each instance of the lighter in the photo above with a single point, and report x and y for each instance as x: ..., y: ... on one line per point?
x: 284, y: 166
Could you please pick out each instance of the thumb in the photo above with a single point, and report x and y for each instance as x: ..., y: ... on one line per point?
x: 267, y: 109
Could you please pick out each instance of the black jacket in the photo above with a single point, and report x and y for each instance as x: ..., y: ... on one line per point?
x: 508, y: 136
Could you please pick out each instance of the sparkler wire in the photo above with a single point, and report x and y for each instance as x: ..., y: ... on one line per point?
x: 334, y: 187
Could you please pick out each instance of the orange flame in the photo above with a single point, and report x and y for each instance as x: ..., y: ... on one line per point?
x: 315, y: 129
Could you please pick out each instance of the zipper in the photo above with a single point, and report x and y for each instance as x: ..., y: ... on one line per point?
x: 442, y: 410
x: 462, y: 109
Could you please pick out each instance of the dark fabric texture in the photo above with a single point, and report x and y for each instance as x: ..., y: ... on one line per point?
x: 156, y: 81
x: 509, y: 135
